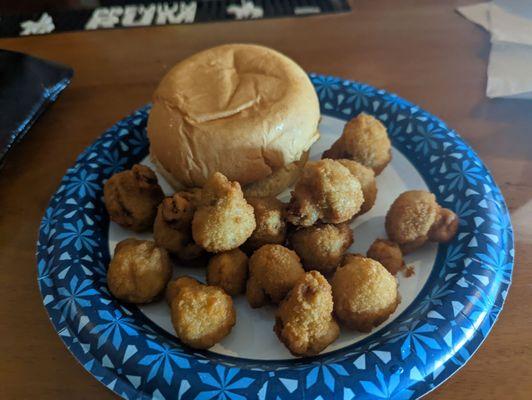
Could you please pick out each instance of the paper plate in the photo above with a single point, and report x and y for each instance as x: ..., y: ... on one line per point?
x: 448, y: 306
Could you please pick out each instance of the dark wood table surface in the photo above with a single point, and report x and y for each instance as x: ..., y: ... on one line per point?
x: 422, y: 50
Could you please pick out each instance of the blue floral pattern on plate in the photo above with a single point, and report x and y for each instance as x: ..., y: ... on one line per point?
x: 421, y: 348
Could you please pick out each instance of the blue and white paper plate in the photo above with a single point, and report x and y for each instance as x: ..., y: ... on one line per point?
x: 447, y: 308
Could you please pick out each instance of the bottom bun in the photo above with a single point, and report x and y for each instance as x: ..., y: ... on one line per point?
x: 272, y: 185
x: 168, y: 177
x: 278, y: 181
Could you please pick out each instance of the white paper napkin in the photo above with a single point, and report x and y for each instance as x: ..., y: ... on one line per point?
x: 477, y: 13
x: 511, y: 21
x: 510, y: 71
x: 510, y: 63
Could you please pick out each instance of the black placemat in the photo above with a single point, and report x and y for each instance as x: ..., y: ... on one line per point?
x: 115, y: 14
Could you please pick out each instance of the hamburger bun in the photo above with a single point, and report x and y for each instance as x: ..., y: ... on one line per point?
x: 277, y: 181
x: 244, y: 110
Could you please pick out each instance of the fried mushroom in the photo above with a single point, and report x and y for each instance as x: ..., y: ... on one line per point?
x: 348, y: 257
x: 202, y: 315
x: 224, y: 220
x: 304, y: 321
x: 364, y: 293
x: 228, y: 270
x: 415, y: 218
x: 321, y: 247
x: 364, y: 139
x: 131, y: 198
x: 366, y: 177
x: 444, y: 228
x: 172, y: 227
x: 269, y: 218
x: 388, y: 254
x: 326, y: 192
x: 176, y: 285
x: 273, y: 271
x: 139, y: 271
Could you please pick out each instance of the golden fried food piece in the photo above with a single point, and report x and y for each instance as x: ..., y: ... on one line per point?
x: 444, y: 228
x: 202, y: 315
x: 364, y: 294
x: 304, y: 321
x: 176, y: 285
x: 228, y: 270
x: 410, y: 218
x: 366, y: 177
x: 131, y: 198
x: 326, y: 192
x: 269, y: 217
x: 273, y: 271
x: 415, y: 217
x: 172, y: 227
x: 321, y: 247
x: 224, y: 220
x: 349, y: 257
x: 388, y: 254
x: 139, y: 271
x: 365, y: 140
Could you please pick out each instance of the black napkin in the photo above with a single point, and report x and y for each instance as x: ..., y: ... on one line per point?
x: 27, y: 86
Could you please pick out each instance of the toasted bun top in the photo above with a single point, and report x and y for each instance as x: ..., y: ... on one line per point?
x: 243, y: 110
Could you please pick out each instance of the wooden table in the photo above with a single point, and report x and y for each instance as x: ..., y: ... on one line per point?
x: 423, y: 50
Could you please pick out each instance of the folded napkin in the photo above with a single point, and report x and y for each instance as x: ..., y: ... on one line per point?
x: 27, y: 86
x: 510, y: 62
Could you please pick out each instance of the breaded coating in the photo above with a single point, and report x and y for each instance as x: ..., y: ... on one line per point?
x: 388, y: 254
x: 229, y: 270
x: 273, y: 271
x: 364, y: 293
x: 326, y: 192
x: 321, y: 247
x: 304, y: 321
x: 131, y: 198
x: 176, y: 285
x: 415, y: 217
x: 444, y: 228
x: 269, y: 218
x: 348, y: 257
x: 366, y: 177
x: 172, y: 227
x: 202, y: 315
x: 410, y: 218
x: 139, y: 271
x: 224, y: 220
x: 365, y: 140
